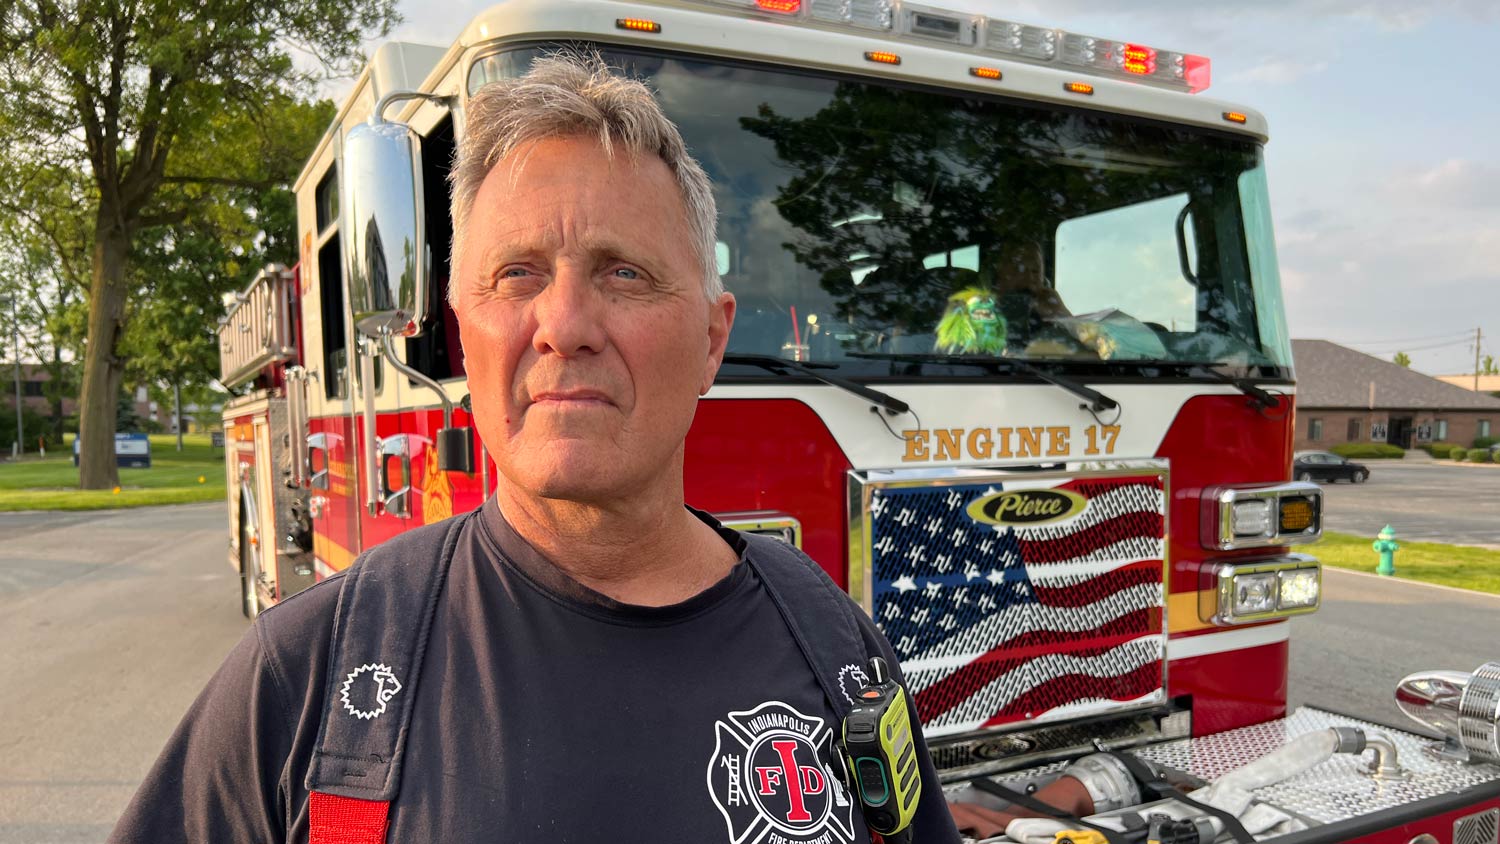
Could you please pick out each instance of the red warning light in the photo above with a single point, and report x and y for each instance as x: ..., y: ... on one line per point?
x: 1139, y: 60
x: 781, y: 7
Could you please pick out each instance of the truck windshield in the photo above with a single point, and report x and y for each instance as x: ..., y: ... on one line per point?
x: 885, y: 229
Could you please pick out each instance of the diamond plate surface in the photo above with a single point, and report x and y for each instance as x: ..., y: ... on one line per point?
x: 1337, y: 789
x: 1478, y: 828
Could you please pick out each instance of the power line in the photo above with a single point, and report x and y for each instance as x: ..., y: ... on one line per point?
x: 1466, y: 334
x: 1468, y: 341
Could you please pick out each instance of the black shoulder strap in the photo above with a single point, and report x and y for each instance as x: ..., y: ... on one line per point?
x: 385, y: 611
x: 822, y: 618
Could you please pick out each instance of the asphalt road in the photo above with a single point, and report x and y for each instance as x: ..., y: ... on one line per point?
x: 1426, y: 501
x: 110, y: 623
x: 1372, y: 631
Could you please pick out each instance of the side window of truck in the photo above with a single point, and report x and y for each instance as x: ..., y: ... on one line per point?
x: 436, y: 352
x: 331, y: 289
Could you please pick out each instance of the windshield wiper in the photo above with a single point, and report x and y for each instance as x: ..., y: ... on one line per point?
x: 885, y: 400
x: 1244, y: 385
x: 1097, y: 401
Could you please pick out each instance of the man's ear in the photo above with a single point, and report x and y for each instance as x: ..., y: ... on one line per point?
x: 720, y: 321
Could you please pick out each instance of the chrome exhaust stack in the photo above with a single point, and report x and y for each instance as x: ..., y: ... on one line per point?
x: 1464, y: 708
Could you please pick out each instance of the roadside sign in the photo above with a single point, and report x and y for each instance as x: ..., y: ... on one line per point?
x: 216, y: 439
x: 132, y: 451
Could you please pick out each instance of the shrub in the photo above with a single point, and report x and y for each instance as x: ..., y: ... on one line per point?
x: 1369, y: 450
x: 1485, y: 442
x: 1478, y: 455
x: 1457, y: 453
x: 1441, y: 451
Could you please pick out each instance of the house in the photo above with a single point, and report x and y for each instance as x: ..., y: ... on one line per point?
x: 1348, y: 396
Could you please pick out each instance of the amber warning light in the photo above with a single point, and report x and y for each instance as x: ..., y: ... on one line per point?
x: 783, y: 7
x: 637, y: 25
x: 1139, y: 60
x: 882, y: 57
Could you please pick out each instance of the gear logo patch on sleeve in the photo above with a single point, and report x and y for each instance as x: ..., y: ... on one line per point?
x: 769, y: 775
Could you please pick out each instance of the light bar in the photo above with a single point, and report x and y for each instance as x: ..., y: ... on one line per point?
x: 1263, y: 590
x: 1011, y: 39
x: 867, y: 14
x: 1254, y: 517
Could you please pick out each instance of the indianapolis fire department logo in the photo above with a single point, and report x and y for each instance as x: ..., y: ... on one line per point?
x: 770, y: 778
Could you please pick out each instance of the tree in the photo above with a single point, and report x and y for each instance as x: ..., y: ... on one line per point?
x: 123, y: 91
x: 1401, y: 359
x: 1488, y: 366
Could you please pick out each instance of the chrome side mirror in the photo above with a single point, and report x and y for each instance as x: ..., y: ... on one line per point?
x: 385, y: 248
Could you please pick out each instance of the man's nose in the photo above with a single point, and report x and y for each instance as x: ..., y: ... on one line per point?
x: 570, y: 314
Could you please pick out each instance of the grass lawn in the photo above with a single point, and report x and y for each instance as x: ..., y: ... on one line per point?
x: 1431, y: 562
x: 52, y: 483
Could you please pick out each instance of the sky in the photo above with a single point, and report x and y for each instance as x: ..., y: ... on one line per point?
x: 1384, y: 159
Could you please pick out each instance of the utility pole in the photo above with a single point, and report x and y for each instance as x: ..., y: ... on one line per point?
x: 1476, y: 358
x: 177, y: 411
x: 15, y: 334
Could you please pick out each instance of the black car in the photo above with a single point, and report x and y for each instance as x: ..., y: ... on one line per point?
x: 1327, y: 466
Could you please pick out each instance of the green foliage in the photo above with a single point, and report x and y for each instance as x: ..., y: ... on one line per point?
x: 50, y: 484
x: 1401, y: 359
x: 1485, y: 442
x: 1369, y: 450
x: 158, y: 141
x: 1478, y: 455
x: 1440, y: 451
x: 1431, y: 562
x: 35, y: 424
x: 1488, y: 366
x: 1458, y: 452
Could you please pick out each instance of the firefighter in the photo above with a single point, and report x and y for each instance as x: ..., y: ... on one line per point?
x: 598, y: 661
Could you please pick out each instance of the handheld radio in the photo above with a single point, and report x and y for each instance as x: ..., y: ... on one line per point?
x: 881, y: 757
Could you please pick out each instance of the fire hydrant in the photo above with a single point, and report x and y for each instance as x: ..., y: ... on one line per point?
x: 1386, y: 546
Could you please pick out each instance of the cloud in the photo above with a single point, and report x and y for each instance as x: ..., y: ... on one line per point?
x: 1457, y: 183
x: 1278, y: 71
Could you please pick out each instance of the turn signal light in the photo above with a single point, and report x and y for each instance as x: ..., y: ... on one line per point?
x: 782, y: 7
x: 1235, y: 117
x: 1254, y: 517
x: 637, y: 25
x: 1079, y: 88
x: 986, y: 73
x: 882, y: 57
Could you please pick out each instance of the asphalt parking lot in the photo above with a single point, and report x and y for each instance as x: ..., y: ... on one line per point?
x: 1434, y: 502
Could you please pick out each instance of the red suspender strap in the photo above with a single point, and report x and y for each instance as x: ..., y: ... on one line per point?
x: 345, y: 820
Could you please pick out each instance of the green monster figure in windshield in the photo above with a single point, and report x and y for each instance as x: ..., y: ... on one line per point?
x: 972, y: 325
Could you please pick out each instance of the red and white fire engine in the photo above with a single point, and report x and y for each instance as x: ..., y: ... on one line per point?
x: 1010, y: 362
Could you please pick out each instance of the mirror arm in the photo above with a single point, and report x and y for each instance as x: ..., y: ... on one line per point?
x: 378, y: 115
x: 388, y: 344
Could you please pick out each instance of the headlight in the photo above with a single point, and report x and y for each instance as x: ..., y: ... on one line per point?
x: 1261, y: 590
x: 1251, y: 517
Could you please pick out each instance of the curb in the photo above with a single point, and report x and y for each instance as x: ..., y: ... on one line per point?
x: 1405, y: 581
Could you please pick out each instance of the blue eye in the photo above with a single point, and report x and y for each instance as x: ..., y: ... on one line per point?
x: 515, y: 272
x: 627, y: 272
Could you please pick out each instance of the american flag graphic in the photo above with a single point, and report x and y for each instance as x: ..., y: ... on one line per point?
x: 996, y: 624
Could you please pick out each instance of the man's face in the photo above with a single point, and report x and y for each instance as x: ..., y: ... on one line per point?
x: 586, y: 332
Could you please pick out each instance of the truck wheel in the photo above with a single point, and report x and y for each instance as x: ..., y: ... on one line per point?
x: 249, y: 595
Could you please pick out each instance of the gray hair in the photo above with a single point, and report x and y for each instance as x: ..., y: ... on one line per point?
x: 572, y: 95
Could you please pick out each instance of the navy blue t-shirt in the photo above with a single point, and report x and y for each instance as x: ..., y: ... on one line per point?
x: 545, y: 712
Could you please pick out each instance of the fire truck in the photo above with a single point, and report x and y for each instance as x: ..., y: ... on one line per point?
x: 1010, y: 362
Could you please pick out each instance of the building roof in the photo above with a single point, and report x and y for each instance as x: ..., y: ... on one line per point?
x: 1330, y: 375
x: 1487, y: 383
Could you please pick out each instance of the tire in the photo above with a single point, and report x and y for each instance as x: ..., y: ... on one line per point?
x: 1361, y: 476
x: 1305, y: 477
